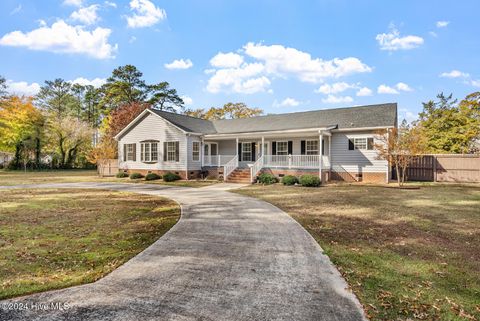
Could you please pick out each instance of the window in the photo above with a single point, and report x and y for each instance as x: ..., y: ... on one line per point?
x: 196, y: 151
x: 246, y: 152
x: 311, y: 147
x: 149, y: 152
x: 129, y: 150
x: 282, y: 148
x: 363, y: 143
x: 171, y: 152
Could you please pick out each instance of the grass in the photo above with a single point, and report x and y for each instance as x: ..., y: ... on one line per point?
x: 407, y: 254
x: 55, y: 238
x: 8, y: 178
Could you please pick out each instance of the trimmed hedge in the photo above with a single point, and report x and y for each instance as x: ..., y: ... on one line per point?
x: 289, y: 180
x: 309, y: 180
x: 136, y: 176
x: 152, y: 177
x: 170, y: 177
x: 121, y: 175
x: 267, y: 179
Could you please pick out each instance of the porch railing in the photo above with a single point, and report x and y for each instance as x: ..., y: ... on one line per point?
x: 295, y: 161
x: 216, y: 160
x: 256, y: 167
x: 229, y: 167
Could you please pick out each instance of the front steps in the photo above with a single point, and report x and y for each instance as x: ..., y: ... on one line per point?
x: 239, y: 175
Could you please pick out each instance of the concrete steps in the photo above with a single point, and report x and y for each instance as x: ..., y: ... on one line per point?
x: 239, y: 175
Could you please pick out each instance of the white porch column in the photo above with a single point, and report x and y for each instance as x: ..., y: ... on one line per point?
x: 263, y: 146
x: 320, y: 146
x: 236, y: 148
x: 330, y: 152
x: 202, y: 151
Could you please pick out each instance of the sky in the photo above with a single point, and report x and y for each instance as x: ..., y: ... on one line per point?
x: 281, y: 56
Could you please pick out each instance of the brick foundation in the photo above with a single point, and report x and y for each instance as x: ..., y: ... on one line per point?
x: 296, y: 172
x: 214, y: 172
x: 192, y: 174
x: 377, y: 177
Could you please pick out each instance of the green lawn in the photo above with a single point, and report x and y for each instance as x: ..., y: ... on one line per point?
x: 8, y: 178
x: 407, y: 254
x: 55, y: 238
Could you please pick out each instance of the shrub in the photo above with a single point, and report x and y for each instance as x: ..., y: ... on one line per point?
x: 309, y: 180
x: 267, y: 179
x: 135, y: 176
x: 152, y: 177
x: 170, y: 177
x: 121, y: 175
x: 289, y: 180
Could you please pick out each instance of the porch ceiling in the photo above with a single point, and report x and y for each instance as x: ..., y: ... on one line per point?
x: 268, y: 135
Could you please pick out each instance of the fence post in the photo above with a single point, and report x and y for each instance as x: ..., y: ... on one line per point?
x: 289, y: 161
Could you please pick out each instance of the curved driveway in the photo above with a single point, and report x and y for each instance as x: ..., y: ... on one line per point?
x: 230, y: 257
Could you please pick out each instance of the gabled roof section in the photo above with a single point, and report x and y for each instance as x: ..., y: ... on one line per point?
x: 187, y: 123
x: 371, y: 116
x: 384, y: 115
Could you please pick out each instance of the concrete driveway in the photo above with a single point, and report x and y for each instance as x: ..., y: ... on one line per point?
x: 230, y: 257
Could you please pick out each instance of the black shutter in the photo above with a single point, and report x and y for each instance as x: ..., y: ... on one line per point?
x: 274, y: 148
x: 124, y: 152
x: 323, y: 146
x: 302, y: 147
x: 253, y: 152
x: 134, y: 152
x: 239, y: 152
x: 164, y: 151
x: 177, y: 151
x: 370, y: 143
x: 290, y: 147
x: 351, y: 145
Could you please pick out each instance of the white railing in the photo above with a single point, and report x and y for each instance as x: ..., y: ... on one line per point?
x: 295, y: 161
x: 216, y: 160
x: 229, y: 167
x: 255, y: 168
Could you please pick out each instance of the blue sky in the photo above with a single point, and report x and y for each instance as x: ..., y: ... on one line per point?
x: 281, y: 56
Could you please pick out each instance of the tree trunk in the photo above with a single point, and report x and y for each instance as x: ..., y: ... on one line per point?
x: 18, y: 152
x: 37, y: 152
x: 397, y: 168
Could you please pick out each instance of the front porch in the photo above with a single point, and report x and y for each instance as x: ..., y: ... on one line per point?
x: 305, y: 151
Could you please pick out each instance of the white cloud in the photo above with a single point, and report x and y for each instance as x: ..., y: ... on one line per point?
x: 442, y: 24
x: 145, y: 14
x: 64, y: 38
x: 75, y: 3
x: 245, y: 79
x: 287, y: 102
x: 179, y: 64
x: 475, y: 83
x: 132, y: 39
x: 364, y: 91
x: 86, y: 15
x: 335, y: 88
x: 16, y: 10
x: 284, y: 61
x: 455, y: 74
x: 433, y: 34
x: 110, y: 4
x: 22, y: 88
x: 332, y: 99
x: 392, y: 40
x: 384, y: 89
x: 403, y: 87
x: 96, y: 82
x: 407, y: 115
x: 226, y: 60
x: 187, y: 100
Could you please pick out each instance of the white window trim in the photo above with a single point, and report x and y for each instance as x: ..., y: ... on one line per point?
x: 171, y: 148
x: 355, y: 143
x: 312, y: 151
x: 196, y: 153
x: 286, y: 149
x: 130, y: 153
x: 146, y: 152
x: 248, y: 152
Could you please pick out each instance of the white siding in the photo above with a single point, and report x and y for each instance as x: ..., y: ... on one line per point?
x: 194, y: 165
x: 153, y: 127
x: 355, y: 161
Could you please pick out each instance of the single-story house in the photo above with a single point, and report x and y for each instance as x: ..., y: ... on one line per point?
x: 336, y: 144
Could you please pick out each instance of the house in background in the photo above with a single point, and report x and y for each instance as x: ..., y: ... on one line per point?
x: 5, y: 158
x: 336, y: 144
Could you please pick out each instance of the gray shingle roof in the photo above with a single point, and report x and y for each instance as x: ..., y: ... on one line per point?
x: 350, y: 117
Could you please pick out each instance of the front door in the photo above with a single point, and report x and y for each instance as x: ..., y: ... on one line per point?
x: 210, y: 152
